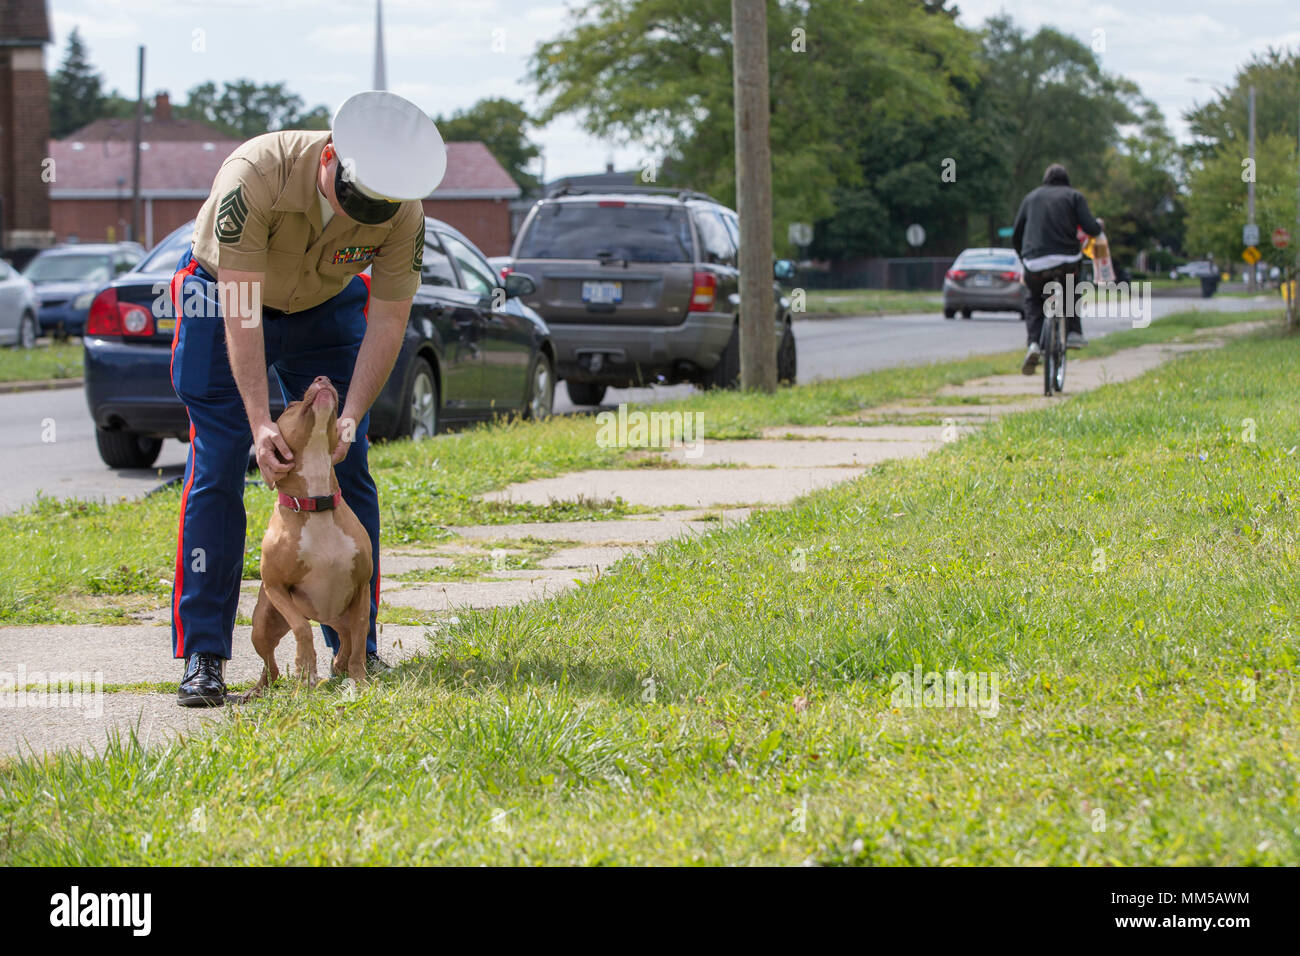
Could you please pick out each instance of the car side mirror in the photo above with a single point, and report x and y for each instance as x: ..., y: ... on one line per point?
x: 519, y: 284
x: 783, y: 270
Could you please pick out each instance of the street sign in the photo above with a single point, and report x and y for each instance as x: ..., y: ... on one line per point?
x: 1281, y: 238
x: 1250, y: 235
x: 800, y: 233
x: 1251, y: 255
x: 915, y: 235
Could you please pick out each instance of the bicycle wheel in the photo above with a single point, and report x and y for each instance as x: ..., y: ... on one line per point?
x: 1048, y: 345
x: 1058, y: 344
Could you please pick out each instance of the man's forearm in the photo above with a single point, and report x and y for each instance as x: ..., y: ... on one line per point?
x: 383, y: 340
x: 244, y: 343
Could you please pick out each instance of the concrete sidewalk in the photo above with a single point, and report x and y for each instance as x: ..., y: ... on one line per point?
x: 694, y: 495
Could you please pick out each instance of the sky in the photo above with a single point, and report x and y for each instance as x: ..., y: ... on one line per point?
x: 446, y: 54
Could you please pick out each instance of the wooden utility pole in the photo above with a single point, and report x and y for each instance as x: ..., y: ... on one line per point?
x: 1250, y: 189
x: 754, y: 195
x: 135, y: 159
x: 1293, y: 312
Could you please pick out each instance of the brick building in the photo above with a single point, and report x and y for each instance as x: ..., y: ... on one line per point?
x: 475, y: 197
x: 24, y: 126
x: 91, y: 197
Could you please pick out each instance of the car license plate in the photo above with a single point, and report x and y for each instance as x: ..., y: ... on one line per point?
x: 602, y: 292
x: 981, y: 279
x: 165, y: 325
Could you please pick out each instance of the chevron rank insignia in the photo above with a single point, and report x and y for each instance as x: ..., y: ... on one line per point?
x: 417, y: 261
x: 231, y: 215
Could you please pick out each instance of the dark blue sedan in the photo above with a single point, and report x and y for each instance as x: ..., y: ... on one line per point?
x: 67, y: 278
x: 472, y: 351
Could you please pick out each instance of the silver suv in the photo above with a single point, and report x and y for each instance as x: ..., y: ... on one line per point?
x: 641, y: 286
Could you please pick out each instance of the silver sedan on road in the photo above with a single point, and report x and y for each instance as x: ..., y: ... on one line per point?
x: 19, y: 308
x: 985, y: 280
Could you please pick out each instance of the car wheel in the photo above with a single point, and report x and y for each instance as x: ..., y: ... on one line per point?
x: 949, y: 313
x: 965, y: 313
x: 541, y: 390
x: 127, y: 449
x: 585, y: 393
x: 726, y: 374
x: 419, y: 418
x: 787, y: 357
x: 27, y: 331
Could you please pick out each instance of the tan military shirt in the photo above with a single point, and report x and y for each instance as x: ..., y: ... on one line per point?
x: 263, y: 215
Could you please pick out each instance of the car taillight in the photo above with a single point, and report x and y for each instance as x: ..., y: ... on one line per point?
x: 102, y: 319
x: 108, y: 316
x: 615, y: 203
x: 704, y: 290
x: 956, y: 274
x: 1010, y: 276
x: 505, y: 271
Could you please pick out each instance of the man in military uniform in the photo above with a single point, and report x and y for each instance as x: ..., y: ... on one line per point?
x: 292, y: 219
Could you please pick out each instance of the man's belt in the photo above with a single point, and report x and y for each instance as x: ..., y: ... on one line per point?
x: 268, y: 313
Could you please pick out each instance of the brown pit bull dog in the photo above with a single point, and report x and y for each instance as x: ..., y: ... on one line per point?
x: 316, y: 559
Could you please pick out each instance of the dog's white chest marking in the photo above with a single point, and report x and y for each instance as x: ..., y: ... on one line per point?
x: 328, y: 553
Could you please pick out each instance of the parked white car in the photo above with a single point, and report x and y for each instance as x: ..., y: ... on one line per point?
x: 19, y: 308
x: 1194, y: 270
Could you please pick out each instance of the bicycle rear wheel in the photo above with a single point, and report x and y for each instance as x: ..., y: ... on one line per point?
x: 1058, y: 343
x: 1053, y: 346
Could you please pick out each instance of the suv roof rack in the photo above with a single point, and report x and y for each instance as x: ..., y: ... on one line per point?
x: 682, y: 194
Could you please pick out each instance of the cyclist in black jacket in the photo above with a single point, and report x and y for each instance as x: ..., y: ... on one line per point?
x: 1046, y: 236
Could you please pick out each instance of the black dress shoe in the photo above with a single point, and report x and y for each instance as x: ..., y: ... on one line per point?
x: 204, y: 681
x: 375, y: 664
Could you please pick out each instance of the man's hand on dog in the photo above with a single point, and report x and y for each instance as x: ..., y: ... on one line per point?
x: 347, y: 426
x: 274, y: 459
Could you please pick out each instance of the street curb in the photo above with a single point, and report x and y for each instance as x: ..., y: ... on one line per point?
x: 44, y: 385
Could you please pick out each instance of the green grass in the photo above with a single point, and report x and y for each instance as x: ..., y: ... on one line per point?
x: 829, y: 303
x: 62, y: 551
x: 57, y: 360
x: 709, y: 703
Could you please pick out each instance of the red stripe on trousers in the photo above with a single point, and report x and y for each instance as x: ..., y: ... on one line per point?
x: 178, y: 281
x: 180, y: 558
x: 365, y: 311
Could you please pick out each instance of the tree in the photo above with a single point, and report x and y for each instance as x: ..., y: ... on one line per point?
x: 1049, y: 101
x: 657, y: 73
x: 501, y: 125
x: 77, y: 94
x: 1038, y: 99
x: 1139, y: 196
x: 243, y: 109
x: 1216, y: 200
x: 1224, y: 120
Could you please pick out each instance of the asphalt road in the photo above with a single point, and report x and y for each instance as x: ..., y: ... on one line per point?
x: 47, y: 441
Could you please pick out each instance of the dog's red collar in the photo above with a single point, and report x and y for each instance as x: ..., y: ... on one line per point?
x: 319, y: 503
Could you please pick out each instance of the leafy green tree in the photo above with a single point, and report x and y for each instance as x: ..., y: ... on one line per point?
x: 1139, y: 196
x: 502, y: 126
x: 1216, y: 200
x: 1225, y: 119
x: 658, y: 74
x: 1039, y: 99
x: 1050, y: 102
x: 243, y: 109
